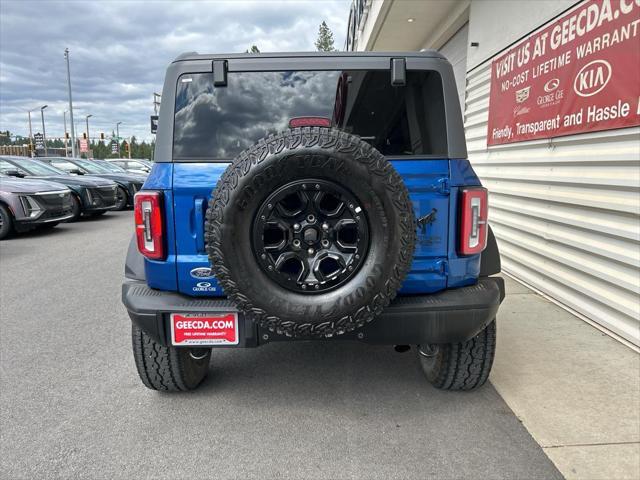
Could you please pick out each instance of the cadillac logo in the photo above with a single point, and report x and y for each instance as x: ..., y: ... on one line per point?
x: 522, y: 94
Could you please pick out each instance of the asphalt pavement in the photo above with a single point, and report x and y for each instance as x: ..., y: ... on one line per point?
x: 71, y: 404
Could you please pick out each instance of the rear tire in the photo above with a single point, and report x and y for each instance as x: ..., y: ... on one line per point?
x: 460, y: 366
x: 168, y: 369
x: 6, y: 222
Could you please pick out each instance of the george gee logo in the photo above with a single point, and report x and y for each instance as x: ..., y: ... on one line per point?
x: 551, y: 85
x: 592, y: 78
x: 204, y: 287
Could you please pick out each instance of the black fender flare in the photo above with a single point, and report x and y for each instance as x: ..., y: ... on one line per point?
x: 490, y: 257
x: 134, y: 264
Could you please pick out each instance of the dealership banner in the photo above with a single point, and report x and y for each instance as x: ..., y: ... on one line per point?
x: 580, y: 73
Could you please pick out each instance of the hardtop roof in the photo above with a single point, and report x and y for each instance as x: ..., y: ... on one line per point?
x: 223, y: 56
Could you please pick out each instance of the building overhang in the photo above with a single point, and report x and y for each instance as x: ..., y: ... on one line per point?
x: 409, y: 24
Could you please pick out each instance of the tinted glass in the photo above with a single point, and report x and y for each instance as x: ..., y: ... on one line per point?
x: 112, y: 167
x: 7, y: 167
x: 90, y: 167
x: 219, y: 122
x: 64, y: 165
x: 35, y: 167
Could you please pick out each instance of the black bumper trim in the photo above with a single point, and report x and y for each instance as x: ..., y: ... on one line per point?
x: 454, y: 315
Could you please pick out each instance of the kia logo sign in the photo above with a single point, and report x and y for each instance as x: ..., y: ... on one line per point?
x: 592, y: 78
x: 551, y: 85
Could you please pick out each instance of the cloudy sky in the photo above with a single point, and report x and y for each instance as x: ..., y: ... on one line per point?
x: 120, y: 50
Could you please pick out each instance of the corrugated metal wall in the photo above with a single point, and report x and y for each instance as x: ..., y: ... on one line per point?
x: 566, y: 213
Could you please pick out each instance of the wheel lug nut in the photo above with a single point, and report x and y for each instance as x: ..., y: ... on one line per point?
x: 263, y: 256
x: 311, y: 219
x: 350, y: 267
x: 270, y: 267
x: 311, y: 251
x: 296, y: 243
x: 325, y: 243
x: 317, y: 187
x: 296, y: 226
x: 325, y: 227
x: 316, y: 286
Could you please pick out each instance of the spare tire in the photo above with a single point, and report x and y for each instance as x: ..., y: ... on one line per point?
x: 310, y: 232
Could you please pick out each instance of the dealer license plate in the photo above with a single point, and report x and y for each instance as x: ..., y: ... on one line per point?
x: 198, y: 329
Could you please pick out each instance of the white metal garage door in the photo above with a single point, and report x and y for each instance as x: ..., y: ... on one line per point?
x: 566, y: 213
x: 455, y: 49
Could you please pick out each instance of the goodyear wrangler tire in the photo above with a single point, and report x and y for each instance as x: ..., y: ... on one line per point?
x: 310, y: 232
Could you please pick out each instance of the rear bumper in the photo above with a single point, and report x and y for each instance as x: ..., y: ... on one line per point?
x: 449, y: 316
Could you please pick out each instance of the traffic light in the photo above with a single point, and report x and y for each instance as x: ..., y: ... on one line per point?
x: 84, y: 135
x: 102, y: 136
x: 66, y: 135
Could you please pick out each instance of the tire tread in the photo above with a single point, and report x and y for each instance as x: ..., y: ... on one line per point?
x: 158, y: 366
x: 466, y: 365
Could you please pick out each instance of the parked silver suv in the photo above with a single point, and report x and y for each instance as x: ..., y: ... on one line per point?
x: 27, y: 204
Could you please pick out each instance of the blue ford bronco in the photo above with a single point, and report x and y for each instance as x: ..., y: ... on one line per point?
x: 311, y: 196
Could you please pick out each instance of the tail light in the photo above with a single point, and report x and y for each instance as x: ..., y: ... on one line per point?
x: 474, y: 206
x: 149, y: 224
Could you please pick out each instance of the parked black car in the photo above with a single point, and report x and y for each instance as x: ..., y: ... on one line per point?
x: 128, y: 184
x: 27, y: 204
x: 90, y: 195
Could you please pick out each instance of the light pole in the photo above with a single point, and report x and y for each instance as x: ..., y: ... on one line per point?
x: 44, y: 134
x: 87, y: 120
x: 73, y: 132
x: 30, y: 132
x: 118, y: 137
x: 66, y: 142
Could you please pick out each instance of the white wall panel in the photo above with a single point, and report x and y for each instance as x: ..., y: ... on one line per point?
x: 566, y: 213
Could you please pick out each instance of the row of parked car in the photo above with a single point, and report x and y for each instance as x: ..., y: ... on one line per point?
x: 42, y: 192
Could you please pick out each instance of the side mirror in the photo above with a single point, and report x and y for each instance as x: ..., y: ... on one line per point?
x: 76, y: 171
x: 14, y: 173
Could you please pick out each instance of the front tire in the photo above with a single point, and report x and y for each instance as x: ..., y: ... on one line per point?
x: 122, y: 198
x: 460, y: 366
x: 168, y: 369
x: 76, y: 209
x: 6, y: 222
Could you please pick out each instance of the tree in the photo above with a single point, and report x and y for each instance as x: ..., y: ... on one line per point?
x: 324, y: 43
x: 253, y: 49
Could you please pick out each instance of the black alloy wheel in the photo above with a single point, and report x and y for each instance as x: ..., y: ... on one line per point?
x: 310, y: 235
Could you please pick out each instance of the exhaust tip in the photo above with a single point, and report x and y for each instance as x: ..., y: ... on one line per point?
x: 402, y: 348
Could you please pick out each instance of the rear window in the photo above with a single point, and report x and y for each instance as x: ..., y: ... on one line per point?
x: 219, y: 122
